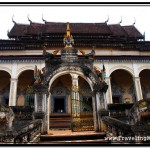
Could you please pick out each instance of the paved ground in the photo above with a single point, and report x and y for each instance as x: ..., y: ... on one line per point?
x: 69, y: 132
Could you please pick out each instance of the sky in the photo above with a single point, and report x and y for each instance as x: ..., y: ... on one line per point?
x: 92, y: 14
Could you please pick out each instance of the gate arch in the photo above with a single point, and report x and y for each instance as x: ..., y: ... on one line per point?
x: 69, y: 72
x: 91, y: 77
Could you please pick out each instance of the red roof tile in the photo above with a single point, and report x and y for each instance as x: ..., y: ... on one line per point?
x: 35, y: 29
x: 76, y: 28
x: 132, y: 32
x: 118, y: 30
x: 18, y: 30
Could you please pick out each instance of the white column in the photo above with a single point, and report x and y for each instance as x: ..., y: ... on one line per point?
x: 109, y: 91
x: 48, y: 111
x: 98, y: 105
x: 138, y: 89
x: 105, y: 101
x: 44, y: 103
x: 95, y: 114
x: 13, y: 92
x: 35, y: 102
x: 75, y: 95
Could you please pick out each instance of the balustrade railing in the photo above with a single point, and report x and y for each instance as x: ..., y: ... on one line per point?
x: 28, y: 134
x: 117, y: 127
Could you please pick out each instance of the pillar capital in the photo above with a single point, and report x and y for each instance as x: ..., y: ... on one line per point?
x: 74, y: 79
x: 136, y: 78
x: 74, y: 76
x: 108, y: 77
x: 14, y: 79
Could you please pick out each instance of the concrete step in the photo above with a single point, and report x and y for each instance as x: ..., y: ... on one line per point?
x: 76, y: 142
x: 60, y: 122
x: 94, y: 138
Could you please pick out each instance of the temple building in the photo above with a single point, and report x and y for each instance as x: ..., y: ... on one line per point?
x: 71, y: 66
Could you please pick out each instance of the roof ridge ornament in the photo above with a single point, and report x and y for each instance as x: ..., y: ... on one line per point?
x: 29, y: 19
x: 68, y: 38
x: 107, y: 19
x: 134, y: 21
x: 13, y: 20
x: 43, y: 19
x: 144, y: 36
x: 120, y: 20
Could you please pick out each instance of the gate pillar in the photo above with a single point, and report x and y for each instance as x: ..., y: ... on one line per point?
x: 41, y: 106
x: 95, y: 114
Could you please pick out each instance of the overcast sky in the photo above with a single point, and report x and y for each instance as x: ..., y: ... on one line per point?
x: 92, y: 14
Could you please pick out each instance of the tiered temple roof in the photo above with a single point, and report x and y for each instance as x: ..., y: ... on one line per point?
x: 34, y: 35
x: 82, y: 29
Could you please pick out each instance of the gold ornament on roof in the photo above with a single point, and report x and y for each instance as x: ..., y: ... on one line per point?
x: 68, y: 30
x: 68, y: 38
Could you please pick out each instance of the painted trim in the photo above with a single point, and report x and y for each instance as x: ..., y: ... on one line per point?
x: 129, y: 70
x: 143, y: 68
x: 26, y: 68
x: 6, y: 70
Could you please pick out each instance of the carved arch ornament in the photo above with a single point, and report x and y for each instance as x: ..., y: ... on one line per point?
x: 92, y: 78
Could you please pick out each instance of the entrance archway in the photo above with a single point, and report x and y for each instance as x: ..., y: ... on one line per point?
x: 4, y: 87
x: 59, y: 108
x: 62, y: 104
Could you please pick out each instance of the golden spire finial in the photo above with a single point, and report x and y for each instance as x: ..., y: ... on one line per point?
x: 68, y: 38
x: 68, y: 30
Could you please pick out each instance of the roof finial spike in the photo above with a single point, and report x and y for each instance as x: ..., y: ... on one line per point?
x: 107, y: 19
x: 13, y: 20
x: 43, y: 19
x: 120, y: 20
x: 29, y: 19
x: 134, y: 21
x: 68, y: 30
x: 144, y: 36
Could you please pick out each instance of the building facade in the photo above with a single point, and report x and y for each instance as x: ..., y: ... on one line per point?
x: 121, y: 49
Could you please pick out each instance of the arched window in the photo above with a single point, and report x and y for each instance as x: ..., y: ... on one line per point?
x: 25, y: 92
x: 4, y: 87
x: 122, y: 85
x: 145, y: 83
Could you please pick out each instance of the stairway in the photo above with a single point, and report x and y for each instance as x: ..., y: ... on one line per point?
x: 60, y: 121
x: 74, y: 139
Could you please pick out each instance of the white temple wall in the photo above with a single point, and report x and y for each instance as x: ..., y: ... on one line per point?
x: 134, y: 68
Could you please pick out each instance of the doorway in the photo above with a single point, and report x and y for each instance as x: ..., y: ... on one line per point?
x: 59, y: 104
x: 116, y: 99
